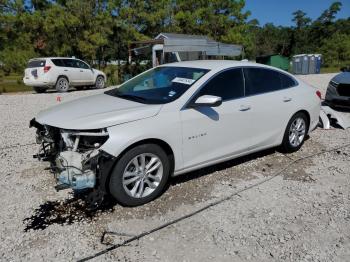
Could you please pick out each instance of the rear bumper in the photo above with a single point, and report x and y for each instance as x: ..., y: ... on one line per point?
x: 38, y: 82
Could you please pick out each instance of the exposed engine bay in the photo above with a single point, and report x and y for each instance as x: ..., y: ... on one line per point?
x: 75, y: 158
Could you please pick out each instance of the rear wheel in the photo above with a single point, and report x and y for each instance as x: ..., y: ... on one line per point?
x: 62, y: 84
x: 295, y: 133
x: 39, y: 89
x: 140, y: 175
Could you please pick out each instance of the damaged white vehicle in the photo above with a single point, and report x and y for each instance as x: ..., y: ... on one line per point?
x: 170, y: 120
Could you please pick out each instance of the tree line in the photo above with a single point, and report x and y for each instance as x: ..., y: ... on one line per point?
x: 100, y: 30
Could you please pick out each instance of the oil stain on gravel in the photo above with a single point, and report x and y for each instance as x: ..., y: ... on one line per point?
x: 66, y: 212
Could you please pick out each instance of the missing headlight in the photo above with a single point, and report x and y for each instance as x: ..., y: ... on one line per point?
x: 84, y: 141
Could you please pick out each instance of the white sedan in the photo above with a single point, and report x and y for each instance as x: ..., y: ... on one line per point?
x: 170, y: 120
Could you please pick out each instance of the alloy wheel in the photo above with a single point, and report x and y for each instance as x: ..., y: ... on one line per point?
x: 63, y: 84
x: 297, y: 132
x: 142, y: 175
x: 100, y: 82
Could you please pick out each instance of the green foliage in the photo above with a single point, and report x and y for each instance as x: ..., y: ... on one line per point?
x: 300, y: 19
x: 101, y: 30
x: 12, y: 83
x: 336, y: 50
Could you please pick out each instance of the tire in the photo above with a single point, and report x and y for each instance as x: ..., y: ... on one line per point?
x: 39, y: 89
x: 125, y: 178
x: 295, y: 133
x: 62, y: 84
x: 100, y: 82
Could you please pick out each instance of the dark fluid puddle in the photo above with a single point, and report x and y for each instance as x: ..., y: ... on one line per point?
x: 64, y: 213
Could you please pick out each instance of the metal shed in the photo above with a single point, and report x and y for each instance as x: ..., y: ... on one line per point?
x: 170, y: 47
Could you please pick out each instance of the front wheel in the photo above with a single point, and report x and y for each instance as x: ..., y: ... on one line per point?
x: 100, y: 82
x: 295, y: 133
x: 140, y: 175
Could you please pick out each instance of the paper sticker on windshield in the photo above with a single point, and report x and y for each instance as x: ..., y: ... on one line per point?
x: 181, y: 80
x: 172, y: 93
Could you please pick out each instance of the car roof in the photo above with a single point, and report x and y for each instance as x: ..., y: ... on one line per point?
x: 218, y: 64
x: 42, y: 58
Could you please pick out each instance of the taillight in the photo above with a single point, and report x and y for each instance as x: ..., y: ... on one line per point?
x: 46, y: 69
x: 318, y: 93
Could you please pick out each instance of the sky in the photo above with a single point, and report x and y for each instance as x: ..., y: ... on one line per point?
x: 279, y: 12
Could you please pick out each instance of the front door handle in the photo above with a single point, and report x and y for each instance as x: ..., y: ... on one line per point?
x: 244, y: 108
x: 65, y: 70
x: 287, y: 99
x: 81, y: 71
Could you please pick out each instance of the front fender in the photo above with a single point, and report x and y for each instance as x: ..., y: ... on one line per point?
x: 166, y: 129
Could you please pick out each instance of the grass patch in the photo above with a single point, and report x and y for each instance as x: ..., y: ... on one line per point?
x: 325, y: 70
x: 13, y: 83
x: 13, y: 87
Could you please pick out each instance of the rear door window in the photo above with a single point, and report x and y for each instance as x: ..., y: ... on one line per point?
x: 261, y: 80
x: 70, y: 63
x: 57, y: 62
x: 227, y: 85
x: 36, y: 63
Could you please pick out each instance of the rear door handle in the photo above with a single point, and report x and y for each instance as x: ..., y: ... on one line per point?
x: 66, y: 70
x: 81, y: 71
x: 244, y: 108
x: 287, y: 99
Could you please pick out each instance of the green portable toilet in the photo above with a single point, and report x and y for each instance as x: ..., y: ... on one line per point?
x: 278, y: 61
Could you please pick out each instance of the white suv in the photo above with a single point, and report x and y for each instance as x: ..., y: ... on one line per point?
x: 61, y: 73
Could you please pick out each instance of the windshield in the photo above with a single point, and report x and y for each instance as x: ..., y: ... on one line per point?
x: 159, y: 85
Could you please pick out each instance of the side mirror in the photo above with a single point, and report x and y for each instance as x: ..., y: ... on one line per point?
x: 208, y: 100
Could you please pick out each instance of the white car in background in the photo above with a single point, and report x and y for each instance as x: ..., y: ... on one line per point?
x: 61, y: 73
x: 170, y: 120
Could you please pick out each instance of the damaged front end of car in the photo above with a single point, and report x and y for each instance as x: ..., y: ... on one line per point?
x: 75, y: 158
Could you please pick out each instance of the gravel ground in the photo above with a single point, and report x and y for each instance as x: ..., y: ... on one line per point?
x: 301, y: 215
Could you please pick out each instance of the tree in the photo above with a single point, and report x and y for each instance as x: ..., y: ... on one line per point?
x: 300, y: 19
x: 329, y: 14
x: 336, y: 50
x: 100, y: 30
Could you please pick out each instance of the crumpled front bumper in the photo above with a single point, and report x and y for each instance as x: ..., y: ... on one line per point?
x: 73, y: 168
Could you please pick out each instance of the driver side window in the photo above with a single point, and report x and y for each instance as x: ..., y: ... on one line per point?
x: 82, y: 65
x: 227, y: 85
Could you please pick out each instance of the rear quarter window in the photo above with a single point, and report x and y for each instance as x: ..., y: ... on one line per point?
x: 36, y: 63
x: 287, y: 81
